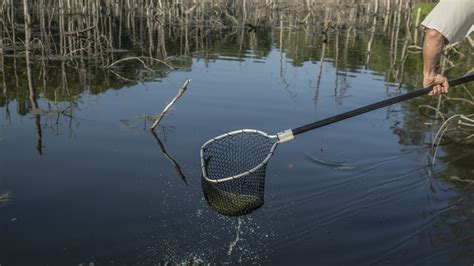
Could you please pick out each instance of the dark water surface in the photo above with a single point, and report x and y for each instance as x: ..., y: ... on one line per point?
x: 361, y: 191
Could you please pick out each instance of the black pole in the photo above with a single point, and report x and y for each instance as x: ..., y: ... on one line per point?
x: 376, y: 105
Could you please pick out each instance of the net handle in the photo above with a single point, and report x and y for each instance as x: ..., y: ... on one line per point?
x: 376, y: 106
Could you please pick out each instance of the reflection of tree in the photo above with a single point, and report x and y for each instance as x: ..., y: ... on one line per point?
x: 29, y: 74
x: 85, y: 50
x: 167, y: 156
x: 92, y: 55
x: 458, y: 161
x: 435, y: 110
x: 452, y: 230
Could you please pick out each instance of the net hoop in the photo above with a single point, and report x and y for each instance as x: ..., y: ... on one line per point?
x: 262, y: 164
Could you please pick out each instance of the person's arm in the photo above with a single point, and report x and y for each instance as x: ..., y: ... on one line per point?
x: 433, y: 45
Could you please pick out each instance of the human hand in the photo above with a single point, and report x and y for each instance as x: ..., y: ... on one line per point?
x: 440, y: 83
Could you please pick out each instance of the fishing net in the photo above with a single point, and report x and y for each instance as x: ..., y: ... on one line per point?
x: 222, y: 200
x: 234, y: 166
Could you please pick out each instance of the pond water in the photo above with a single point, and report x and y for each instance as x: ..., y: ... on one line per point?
x: 92, y: 185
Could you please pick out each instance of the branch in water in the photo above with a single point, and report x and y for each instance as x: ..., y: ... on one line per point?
x: 181, y: 91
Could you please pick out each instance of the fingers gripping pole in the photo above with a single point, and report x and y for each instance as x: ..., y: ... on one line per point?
x: 285, y: 136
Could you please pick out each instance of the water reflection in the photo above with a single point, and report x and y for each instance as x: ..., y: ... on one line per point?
x: 363, y: 187
x: 172, y: 161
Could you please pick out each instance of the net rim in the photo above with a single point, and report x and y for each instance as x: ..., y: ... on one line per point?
x: 231, y: 133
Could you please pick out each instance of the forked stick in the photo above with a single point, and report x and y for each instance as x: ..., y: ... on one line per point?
x: 158, y: 118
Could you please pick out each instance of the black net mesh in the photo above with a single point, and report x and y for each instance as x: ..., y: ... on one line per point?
x: 235, y: 154
x: 220, y: 197
x: 231, y: 156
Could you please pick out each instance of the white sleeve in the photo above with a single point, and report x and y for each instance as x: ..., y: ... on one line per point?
x: 452, y: 18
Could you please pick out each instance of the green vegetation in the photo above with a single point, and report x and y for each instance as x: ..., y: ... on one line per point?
x: 425, y: 9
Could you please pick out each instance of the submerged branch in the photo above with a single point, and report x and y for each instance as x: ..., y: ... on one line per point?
x: 140, y: 59
x: 431, y: 108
